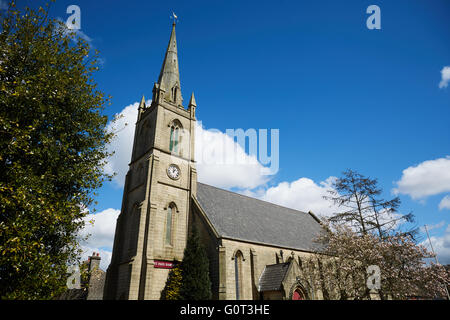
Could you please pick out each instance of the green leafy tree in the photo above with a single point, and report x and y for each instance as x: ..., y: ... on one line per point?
x: 196, y: 284
x: 172, y: 288
x: 52, y: 150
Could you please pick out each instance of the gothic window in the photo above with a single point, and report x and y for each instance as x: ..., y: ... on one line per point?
x: 175, y: 129
x: 238, y: 258
x: 171, y: 209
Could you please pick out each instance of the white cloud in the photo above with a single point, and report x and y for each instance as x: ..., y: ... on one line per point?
x: 122, y: 143
x: 105, y: 255
x: 83, y: 36
x: 101, y: 233
x: 221, y: 161
x: 306, y: 195
x: 445, y: 77
x: 427, y: 178
x: 303, y: 194
x: 102, y: 229
x: 432, y: 227
x: 445, y: 203
x: 441, y: 246
x: 76, y: 32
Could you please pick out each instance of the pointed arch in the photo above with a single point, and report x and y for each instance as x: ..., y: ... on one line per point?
x: 301, y: 290
x: 298, y: 294
x: 238, y: 258
x: 175, y: 135
x: 171, y: 211
x: 176, y: 123
x: 236, y: 251
x: 175, y: 93
x: 173, y: 205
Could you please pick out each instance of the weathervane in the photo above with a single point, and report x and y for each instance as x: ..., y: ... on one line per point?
x: 174, y: 17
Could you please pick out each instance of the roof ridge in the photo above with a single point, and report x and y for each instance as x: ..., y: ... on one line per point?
x: 245, y: 196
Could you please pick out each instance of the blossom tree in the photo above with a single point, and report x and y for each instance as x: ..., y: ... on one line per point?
x: 368, y: 235
x: 341, y: 270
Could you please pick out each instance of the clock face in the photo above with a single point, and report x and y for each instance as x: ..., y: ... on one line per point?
x: 173, y: 171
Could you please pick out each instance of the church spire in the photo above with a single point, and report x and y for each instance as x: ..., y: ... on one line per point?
x: 169, y: 77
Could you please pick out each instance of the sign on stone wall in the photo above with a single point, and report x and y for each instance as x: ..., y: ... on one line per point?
x: 163, y: 264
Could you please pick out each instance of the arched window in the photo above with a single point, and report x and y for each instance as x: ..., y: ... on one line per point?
x: 172, y: 136
x: 175, y: 128
x: 169, y: 223
x: 238, y: 258
x: 175, y: 91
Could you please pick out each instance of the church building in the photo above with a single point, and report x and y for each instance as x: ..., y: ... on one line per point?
x: 255, y: 248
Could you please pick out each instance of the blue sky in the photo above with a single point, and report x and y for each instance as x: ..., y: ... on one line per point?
x: 341, y: 95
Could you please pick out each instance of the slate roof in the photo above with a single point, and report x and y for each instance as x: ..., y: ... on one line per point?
x: 244, y: 218
x: 272, y: 276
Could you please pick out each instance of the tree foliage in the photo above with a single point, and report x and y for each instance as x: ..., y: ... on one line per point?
x: 369, y: 231
x: 196, y: 284
x: 362, y: 205
x: 172, y: 288
x: 52, y: 150
x: 341, y: 270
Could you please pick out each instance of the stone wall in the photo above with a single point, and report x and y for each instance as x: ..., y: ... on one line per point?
x: 256, y: 257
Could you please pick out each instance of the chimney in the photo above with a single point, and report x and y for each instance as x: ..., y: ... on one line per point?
x: 94, y: 261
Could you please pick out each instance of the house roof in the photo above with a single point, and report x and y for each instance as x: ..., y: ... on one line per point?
x: 244, y: 218
x: 272, y: 276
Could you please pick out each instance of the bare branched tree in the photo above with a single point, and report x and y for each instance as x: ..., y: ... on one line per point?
x: 363, y: 209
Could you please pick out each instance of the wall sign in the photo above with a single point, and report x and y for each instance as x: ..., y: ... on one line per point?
x: 163, y: 264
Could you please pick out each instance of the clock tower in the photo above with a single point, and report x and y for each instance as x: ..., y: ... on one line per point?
x: 152, y: 228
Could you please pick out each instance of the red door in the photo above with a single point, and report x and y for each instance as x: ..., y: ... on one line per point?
x: 297, y: 295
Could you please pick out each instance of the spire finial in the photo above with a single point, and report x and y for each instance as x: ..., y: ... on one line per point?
x: 141, y: 107
x: 192, y: 105
x: 192, y: 100
x: 174, y: 17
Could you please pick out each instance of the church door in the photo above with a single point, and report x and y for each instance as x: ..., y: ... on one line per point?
x: 298, y: 295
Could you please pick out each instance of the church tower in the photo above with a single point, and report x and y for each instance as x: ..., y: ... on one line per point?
x: 152, y: 228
